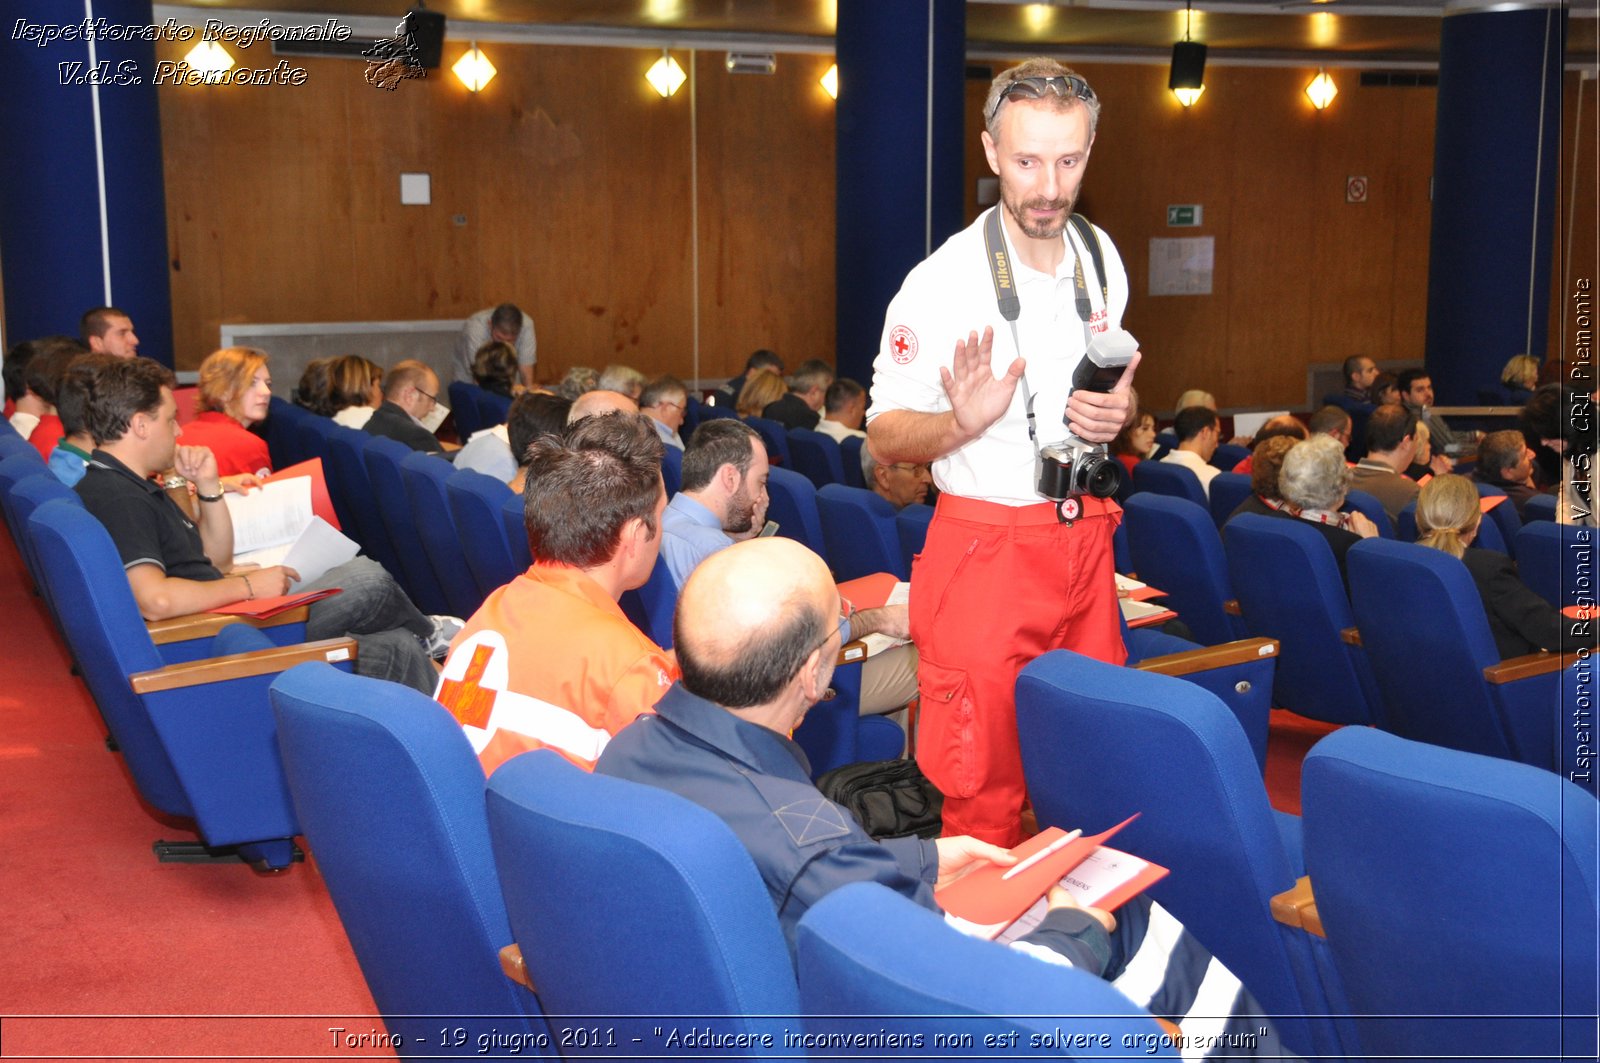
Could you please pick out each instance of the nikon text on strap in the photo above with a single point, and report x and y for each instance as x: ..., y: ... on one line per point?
x: 1010, y: 303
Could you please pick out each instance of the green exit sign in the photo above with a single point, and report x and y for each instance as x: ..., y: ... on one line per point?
x: 1184, y: 215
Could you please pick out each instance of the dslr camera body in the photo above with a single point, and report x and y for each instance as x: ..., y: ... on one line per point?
x: 1073, y: 466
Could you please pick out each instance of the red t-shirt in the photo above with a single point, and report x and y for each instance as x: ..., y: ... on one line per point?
x: 46, y: 434
x: 238, y: 450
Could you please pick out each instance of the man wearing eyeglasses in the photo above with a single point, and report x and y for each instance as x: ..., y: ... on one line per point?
x: 410, y: 405
x: 664, y: 400
x: 1006, y: 574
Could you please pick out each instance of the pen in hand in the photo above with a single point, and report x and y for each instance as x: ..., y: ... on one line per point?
x: 1055, y: 846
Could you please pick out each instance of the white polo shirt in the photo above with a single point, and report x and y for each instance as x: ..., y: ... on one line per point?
x: 951, y: 294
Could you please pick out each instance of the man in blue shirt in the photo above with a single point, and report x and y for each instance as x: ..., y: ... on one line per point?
x: 724, y: 499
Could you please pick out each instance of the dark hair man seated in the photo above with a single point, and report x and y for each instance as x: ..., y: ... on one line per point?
x: 724, y: 498
x: 550, y: 660
x: 108, y: 330
x: 1506, y: 461
x: 807, y: 389
x: 760, y: 361
x: 1359, y: 373
x: 1391, y: 444
x: 757, y: 631
x: 178, y: 566
x: 1198, y: 432
x: 844, y: 409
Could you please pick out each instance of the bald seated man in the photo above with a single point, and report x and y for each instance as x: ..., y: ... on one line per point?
x: 593, y: 402
x: 757, y: 632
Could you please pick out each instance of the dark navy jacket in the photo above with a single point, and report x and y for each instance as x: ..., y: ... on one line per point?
x: 805, y: 846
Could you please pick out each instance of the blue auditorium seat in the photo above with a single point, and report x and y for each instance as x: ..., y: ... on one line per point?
x: 859, y: 527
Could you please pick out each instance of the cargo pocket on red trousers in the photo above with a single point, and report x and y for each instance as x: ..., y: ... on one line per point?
x: 947, y: 734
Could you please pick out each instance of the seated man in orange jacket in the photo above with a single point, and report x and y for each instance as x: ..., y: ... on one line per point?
x: 550, y: 660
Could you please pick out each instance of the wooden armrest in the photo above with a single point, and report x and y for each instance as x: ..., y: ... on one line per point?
x: 852, y: 652
x: 241, y: 665
x: 1297, y: 907
x: 1350, y: 636
x: 1208, y: 657
x: 1528, y: 666
x: 512, y: 964
x: 1231, y: 607
x: 205, y: 625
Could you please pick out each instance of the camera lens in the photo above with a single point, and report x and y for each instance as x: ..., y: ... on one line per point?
x: 1099, y: 476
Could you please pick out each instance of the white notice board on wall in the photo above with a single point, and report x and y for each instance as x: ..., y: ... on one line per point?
x: 1182, y: 265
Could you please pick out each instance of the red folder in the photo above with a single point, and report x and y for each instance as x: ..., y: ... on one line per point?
x: 868, y: 592
x: 987, y: 897
x: 321, y: 502
x: 261, y: 608
x: 1488, y: 502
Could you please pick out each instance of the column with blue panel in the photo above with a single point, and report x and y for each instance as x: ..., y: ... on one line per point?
x: 83, y: 207
x: 1496, y: 160
x: 899, y: 156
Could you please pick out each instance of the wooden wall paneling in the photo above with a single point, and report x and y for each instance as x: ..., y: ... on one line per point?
x: 1408, y: 296
x: 1299, y: 276
x: 605, y: 184
x: 1369, y: 260
x: 1270, y: 248
x: 766, y: 151
x: 1579, y: 215
x: 195, y: 218
x: 1151, y: 152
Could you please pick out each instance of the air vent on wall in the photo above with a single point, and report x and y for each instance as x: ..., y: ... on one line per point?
x: 1398, y: 79
x: 751, y: 63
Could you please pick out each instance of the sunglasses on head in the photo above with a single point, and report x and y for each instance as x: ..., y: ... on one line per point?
x: 1063, y: 85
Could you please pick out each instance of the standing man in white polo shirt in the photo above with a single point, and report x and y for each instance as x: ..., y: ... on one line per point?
x: 1006, y: 574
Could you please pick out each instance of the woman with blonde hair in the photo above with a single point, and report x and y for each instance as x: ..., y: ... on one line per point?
x: 355, y: 389
x: 1448, y: 515
x: 759, y: 392
x: 235, y: 393
x: 1518, y: 379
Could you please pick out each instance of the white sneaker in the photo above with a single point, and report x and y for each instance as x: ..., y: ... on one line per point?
x: 445, y: 628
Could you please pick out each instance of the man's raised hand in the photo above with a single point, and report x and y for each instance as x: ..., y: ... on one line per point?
x: 977, y: 397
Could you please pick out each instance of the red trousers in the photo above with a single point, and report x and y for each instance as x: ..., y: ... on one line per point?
x: 995, y: 587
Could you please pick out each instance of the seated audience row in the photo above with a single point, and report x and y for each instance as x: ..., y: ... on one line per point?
x: 177, y: 565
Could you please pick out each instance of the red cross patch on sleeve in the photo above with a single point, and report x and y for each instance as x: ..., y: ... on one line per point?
x: 902, y: 344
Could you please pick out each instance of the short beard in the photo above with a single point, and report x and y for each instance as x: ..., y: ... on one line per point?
x: 1036, y: 231
x: 740, y: 512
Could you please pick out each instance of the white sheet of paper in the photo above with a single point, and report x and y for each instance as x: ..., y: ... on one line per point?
x: 1135, y: 610
x: 265, y: 557
x: 1248, y: 424
x: 436, y: 416
x: 271, y: 515
x: 320, y: 547
x: 878, y: 642
x: 901, y: 595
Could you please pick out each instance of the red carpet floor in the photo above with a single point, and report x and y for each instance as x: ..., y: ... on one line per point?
x: 107, y: 954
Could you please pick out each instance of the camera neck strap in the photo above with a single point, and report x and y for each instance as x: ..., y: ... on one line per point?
x: 1010, y: 303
